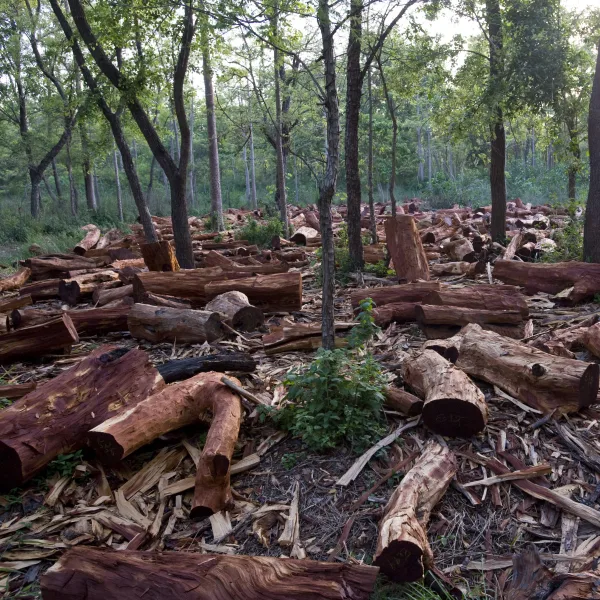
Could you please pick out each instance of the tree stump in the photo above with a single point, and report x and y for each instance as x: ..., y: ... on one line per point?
x: 236, y: 310
x: 405, y: 248
x: 159, y: 256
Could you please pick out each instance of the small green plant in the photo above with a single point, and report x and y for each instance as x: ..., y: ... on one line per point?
x: 379, y: 269
x: 366, y: 329
x: 5, y: 403
x: 291, y: 459
x: 260, y: 235
x: 569, y: 241
x: 65, y: 464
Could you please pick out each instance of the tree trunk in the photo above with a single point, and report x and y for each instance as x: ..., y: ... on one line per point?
x: 72, y: 185
x: 159, y: 256
x: 429, y: 169
x: 392, y: 112
x: 354, y: 83
x: 216, y: 203
x: 56, y: 182
x: 178, y: 370
x: 372, y: 218
x: 247, y: 176
x: 403, y: 552
x: 454, y: 405
x: 86, y: 573
x: 396, y: 312
x: 90, y: 240
x: 406, y: 249
x: 427, y: 314
x: 55, y: 418
x: 192, y: 161
x: 403, y: 402
x: 498, y: 135
x: 253, y: 169
x: 118, y: 186
x: 591, y: 236
x: 421, y: 171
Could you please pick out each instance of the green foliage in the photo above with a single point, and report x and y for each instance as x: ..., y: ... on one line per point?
x: 569, y: 241
x: 291, y: 459
x: 5, y: 403
x: 258, y: 234
x: 64, y: 465
x: 366, y: 329
x: 379, y: 269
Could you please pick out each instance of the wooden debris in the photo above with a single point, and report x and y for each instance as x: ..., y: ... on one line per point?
x: 403, y: 402
x: 90, y: 240
x: 15, y: 281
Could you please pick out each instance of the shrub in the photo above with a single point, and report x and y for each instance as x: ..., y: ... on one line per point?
x: 569, y: 242
x: 258, y: 234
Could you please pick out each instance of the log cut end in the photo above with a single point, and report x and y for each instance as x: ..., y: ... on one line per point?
x: 12, y: 471
x: 401, y: 561
x: 589, y: 383
x: 453, y: 417
x: 106, y: 448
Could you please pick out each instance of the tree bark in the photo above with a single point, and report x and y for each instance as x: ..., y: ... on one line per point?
x: 409, y: 292
x: 178, y: 370
x: 458, y: 315
x: 406, y: 249
x: 252, y: 168
x: 591, y: 234
x: 181, y: 325
x: 403, y: 552
x: 159, y: 256
x: 86, y: 573
x: 392, y: 112
x: 454, y: 406
x: 372, y: 218
x: 235, y: 309
x: 55, y: 418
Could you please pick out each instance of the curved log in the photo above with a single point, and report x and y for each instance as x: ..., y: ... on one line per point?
x: 15, y: 281
x: 89, y: 241
x: 85, y: 573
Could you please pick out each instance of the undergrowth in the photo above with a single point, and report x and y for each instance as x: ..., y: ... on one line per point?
x: 260, y: 235
x: 569, y: 241
x: 337, y: 400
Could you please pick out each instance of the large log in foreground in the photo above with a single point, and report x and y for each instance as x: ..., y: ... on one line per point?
x: 454, y: 405
x: 86, y: 573
x: 15, y: 281
x: 182, y: 325
x: 280, y: 292
x: 55, y: 418
x: 405, y: 248
x: 403, y: 552
x: 552, y: 278
x: 184, y: 368
x: 202, y: 397
x: 540, y: 380
x: 29, y: 342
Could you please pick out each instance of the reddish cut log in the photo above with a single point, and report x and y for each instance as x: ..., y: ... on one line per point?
x: 460, y: 249
x: 591, y: 339
x: 403, y: 552
x: 281, y: 292
x: 236, y: 310
x: 159, y: 256
x: 405, y: 248
x: 428, y: 314
x: 86, y: 573
x: 374, y: 253
x: 454, y: 405
x: 403, y: 402
x: 169, y: 301
x: 458, y: 268
x: 178, y: 370
x: 73, y: 290
x: 410, y: 292
x: 55, y: 418
x: 98, y: 321
x: 15, y: 281
x: 481, y: 297
x: 584, y: 278
x: 50, y: 267
x: 17, y: 390
x: 202, y: 397
x: 29, y: 342
x: 399, y: 312
x: 296, y: 331
x: 111, y: 236
x: 9, y: 304
x: 32, y: 316
x: 104, y: 296
x: 89, y: 241
x: 538, y: 379
x: 312, y: 220
x: 182, y: 325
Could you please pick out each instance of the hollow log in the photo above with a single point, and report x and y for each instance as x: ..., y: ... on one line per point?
x: 398, y: 312
x: 17, y: 390
x: 55, y: 418
x: 403, y: 552
x: 481, y: 297
x: 30, y: 342
x: 104, y: 296
x: 236, y: 310
x: 15, y: 281
x: 9, y: 304
x: 403, y: 402
x: 159, y: 256
x: 303, y: 235
x: 198, y: 398
x: 428, y: 314
x: 410, y: 292
x: 405, y: 248
x: 182, y: 325
x: 89, y: 241
x: 86, y: 573
x: 454, y: 406
x: 540, y: 380
x: 184, y: 368
x: 552, y: 278
x: 281, y: 292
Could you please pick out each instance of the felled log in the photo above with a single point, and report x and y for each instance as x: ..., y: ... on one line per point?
x: 201, y: 397
x: 55, y: 418
x: 480, y: 297
x: 458, y: 268
x: 403, y: 402
x: 32, y: 316
x: 104, y: 296
x: 159, y: 256
x: 181, y: 325
x: 236, y: 310
x: 57, y: 267
x: 110, y: 237
x: 562, y: 342
x: 454, y: 406
x: 405, y: 248
x: 281, y: 292
x: 86, y: 573
x: 460, y: 250
x: 73, y: 290
x: 428, y: 314
x: 552, y: 278
x: 17, y: 390
x: 538, y: 379
x: 304, y: 235
x: 214, y: 259
x: 531, y: 579
x: 403, y: 552
x: 16, y: 280
x: 514, y: 332
x: 178, y: 370
x: 312, y: 220
x: 29, y: 342
x: 9, y: 304
x: 398, y: 312
x: 169, y: 301
x: 289, y: 332
x: 89, y: 241
x: 591, y: 339
x: 409, y: 292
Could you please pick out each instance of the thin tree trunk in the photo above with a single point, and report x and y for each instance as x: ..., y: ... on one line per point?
x: 86, y: 165
x: 421, y: 171
x: 575, y: 159
x: 392, y: 111
x: 216, y: 202
x: 96, y: 187
x: 498, y: 135
x: 192, y: 196
x: 118, y: 184
x: 150, y: 181
x: 56, y: 182
x: 591, y: 234
x: 372, y: 218
x: 297, y: 195
x: 253, y: 169
x: 247, y: 174
x: 533, y: 147
x: 429, y: 169
x: 72, y: 187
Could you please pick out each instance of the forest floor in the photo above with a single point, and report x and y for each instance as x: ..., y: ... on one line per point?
x: 473, y: 534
